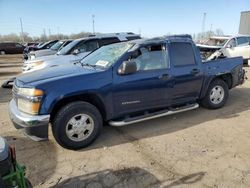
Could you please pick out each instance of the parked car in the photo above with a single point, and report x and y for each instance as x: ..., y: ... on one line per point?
x: 121, y: 84
x: 51, y: 51
x: 11, y: 48
x: 45, y: 45
x: 76, y: 50
x: 227, y: 46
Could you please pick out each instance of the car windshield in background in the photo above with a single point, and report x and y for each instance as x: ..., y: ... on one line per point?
x: 57, y: 45
x: 107, y: 55
x: 216, y: 42
x: 67, y: 48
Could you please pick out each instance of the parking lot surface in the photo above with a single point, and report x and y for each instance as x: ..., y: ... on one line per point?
x: 199, y: 148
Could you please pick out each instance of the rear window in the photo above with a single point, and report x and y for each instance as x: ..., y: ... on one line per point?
x: 182, y: 54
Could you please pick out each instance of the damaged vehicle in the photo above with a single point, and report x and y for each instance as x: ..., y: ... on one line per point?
x: 120, y: 84
x: 226, y: 46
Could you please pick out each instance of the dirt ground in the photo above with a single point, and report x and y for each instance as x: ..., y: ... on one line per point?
x: 199, y: 148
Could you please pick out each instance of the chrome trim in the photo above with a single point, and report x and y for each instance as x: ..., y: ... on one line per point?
x: 123, y: 123
x: 26, y: 120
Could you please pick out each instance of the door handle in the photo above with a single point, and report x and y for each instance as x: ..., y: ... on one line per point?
x: 164, y: 77
x: 195, y: 71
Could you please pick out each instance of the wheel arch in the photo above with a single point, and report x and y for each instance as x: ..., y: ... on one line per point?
x: 93, y: 99
x: 226, y: 77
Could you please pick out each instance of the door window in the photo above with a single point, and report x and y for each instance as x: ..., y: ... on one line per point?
x: 18, y: 46
x: 151, y: 57
x: 231, y: 43
x: 242, y: 41
x: 182, y: 54
x: 88, y: 46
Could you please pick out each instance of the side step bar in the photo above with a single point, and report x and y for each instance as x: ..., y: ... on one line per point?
x: 153, y: 115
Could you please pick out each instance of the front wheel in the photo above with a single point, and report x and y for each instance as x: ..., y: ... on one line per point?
x: 216, y: 95
x: 77, y: 125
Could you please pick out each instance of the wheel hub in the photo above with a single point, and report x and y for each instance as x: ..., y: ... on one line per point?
x: 79, y: 127
x: 217, y: 94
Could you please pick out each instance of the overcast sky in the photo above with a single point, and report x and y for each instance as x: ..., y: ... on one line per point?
x: 150, y: 17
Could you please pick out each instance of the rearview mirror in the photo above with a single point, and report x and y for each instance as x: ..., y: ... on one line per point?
x: 127, y: 67
x: 76, y: 51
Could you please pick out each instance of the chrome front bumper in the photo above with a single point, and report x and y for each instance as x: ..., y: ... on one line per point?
x: 34, y: 126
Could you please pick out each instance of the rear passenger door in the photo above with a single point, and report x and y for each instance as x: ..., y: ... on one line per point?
x: 186, y: 71
x: 243, y: 47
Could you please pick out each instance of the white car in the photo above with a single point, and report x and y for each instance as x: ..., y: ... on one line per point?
x: 227, y: 46
x: 76, y: 50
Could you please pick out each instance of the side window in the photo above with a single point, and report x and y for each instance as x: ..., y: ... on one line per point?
x: 232, y: 43
x: 18, y: 45
x: 242, y: 41
x: 106, y: 41
x: 151, y: 57
x: 88, y: 46
x: 133, y: 37
x: 182, y: 54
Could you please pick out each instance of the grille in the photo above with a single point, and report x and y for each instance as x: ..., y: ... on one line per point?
x: 14, y: 92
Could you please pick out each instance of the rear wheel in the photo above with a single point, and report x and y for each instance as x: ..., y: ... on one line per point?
x: 2, y: 52
x: 217, y: 95
x: 77, y: 125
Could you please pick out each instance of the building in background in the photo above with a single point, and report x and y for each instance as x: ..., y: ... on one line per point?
x: 245, y: 23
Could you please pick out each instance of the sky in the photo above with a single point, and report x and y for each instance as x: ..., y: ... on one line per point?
x: 149, y: 17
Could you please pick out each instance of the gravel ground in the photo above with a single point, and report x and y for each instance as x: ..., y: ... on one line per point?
x: 199, y: 148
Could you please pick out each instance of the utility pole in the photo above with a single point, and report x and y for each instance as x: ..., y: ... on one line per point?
x: 203, y: 24
x: 93, y: 23
x: 21, y: 23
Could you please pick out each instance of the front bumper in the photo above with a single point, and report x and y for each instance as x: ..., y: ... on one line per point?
x: 34, y: 126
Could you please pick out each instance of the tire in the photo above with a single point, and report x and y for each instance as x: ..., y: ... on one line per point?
x: 216, y: 96
x: 2, y: 52
x: 77, y: 125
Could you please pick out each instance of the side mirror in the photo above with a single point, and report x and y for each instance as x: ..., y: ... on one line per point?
x: 127, y: 67
x: 76, y: 51
x: 229, y: 46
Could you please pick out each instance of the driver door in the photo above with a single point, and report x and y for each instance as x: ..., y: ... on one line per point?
x: 149, y: 87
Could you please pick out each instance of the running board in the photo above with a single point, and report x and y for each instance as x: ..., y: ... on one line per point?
x: 153, y: 115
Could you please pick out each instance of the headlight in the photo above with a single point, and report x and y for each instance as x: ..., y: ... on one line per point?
x: 29, y: 100
x: 32, y: 56
x: 30, y: 92
x: 28, y: 107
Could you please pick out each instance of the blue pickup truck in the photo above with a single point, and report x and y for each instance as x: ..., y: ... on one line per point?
x: 120, y: 84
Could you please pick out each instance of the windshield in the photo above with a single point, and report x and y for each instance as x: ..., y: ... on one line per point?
x: 216, y: 42
x: 107, y: 55
x: 67, y: 48
x: 57, y: 45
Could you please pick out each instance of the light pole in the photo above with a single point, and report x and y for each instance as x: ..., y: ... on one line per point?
x: 93, y: 23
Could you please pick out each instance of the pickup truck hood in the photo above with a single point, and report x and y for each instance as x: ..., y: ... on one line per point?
x: 44, y: 52
x: 55, y: 73
x: 51, y: 60
x: 43, y: 58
